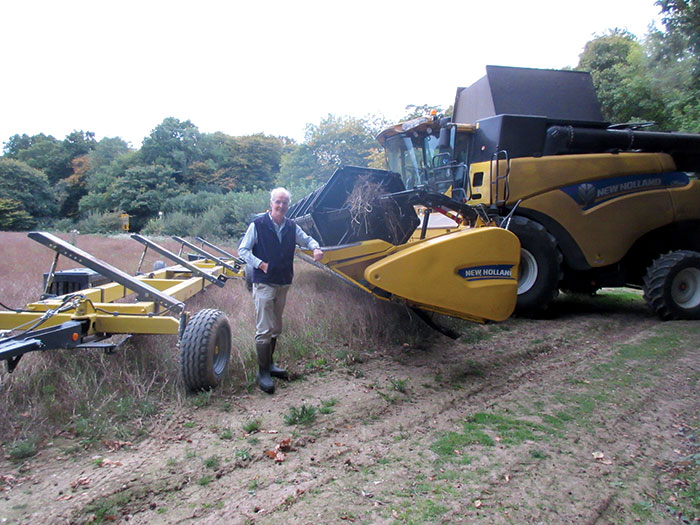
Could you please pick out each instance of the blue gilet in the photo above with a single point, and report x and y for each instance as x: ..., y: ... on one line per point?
x: 279, y: 256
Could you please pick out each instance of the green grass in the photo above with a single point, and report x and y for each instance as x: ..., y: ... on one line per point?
x: 485, y: 429
x: 22, y: 449
x: 300, y: 416
x: 252, y: 425
x: 422, y: 511
x: 201, y: 399
x: 327, y: 405
x: 212, y: 462
x: 400, y: 385
x: 205, y: 480
x: 243, y: 454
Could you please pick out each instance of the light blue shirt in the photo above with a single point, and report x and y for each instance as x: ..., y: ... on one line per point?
x: 245, y: 248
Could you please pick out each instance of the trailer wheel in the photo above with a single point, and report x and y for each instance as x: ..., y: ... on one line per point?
x: 539, y: 271
x: 672, y: 285
x: 205, y: 349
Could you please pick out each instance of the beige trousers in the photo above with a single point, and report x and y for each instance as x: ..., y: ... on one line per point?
x: 269, y: 306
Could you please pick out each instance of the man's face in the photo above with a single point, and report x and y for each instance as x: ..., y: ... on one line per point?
x: 279, y: 204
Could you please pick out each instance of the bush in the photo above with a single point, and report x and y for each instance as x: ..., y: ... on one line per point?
x: 100, y: 223
x: 208, y: 214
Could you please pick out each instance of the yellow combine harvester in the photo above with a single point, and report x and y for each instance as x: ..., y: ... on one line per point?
x: 526, y: 157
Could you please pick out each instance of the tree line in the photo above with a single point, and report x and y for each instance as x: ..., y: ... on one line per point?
x: 183, y: 181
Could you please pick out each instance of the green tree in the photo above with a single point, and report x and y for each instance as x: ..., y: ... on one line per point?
x: 100, y: 179
x: 21, y: 183
x: 683, y: 17
x: 174, y: 144
x: 142, y: 191
x: 107, y: 150
x: 46, y: 153
x: 674, y: 58
x: 13, y: 216
x: 79, y: 143
x: 623, y: 83
x: 41, y: 152
x: 340, y: 141
x: 300, y: 168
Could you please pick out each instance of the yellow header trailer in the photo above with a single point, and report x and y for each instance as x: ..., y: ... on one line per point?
x: 85, y: 318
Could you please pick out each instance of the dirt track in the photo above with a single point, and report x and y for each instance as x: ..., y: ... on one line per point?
x: 586, y: 417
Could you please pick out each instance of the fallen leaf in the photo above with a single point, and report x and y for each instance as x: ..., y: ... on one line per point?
x: 270, y: 454
x: 598, y: 455
x: 116, y: 445
x: 394, y: 514
x: 280, y: 457
x: 477, y: 503
x: 80, y: 482
x: 64, y: 497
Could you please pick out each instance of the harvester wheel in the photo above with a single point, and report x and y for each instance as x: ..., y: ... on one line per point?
x: 205, y: 349
x: 672, y: 285
x: 539, y: 272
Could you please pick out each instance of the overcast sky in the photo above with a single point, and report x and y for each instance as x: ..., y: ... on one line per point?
x: 118, y: 68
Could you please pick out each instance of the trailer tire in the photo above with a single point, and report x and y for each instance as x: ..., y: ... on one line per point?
x: 539, y: 271
x: 205, y: 349
x: 672, y: 285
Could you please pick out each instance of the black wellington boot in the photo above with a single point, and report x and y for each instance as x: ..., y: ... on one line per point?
x: 275, y: 371
x: 264, y: 360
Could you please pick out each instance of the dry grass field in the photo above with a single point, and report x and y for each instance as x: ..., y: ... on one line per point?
x: 589, y: 415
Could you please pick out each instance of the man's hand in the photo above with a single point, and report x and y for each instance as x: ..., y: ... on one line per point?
x: 263, y: 266
x: 318, y: 255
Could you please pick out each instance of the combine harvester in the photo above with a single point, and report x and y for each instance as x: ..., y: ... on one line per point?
x: 526, y: 151
x: 78, y: 308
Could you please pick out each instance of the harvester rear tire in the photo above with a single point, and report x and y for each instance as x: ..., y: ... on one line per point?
x: 205, y: 349
x: 672, y: 285
x: 540, y: 271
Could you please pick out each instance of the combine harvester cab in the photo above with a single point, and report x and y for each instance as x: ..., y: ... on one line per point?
x: 366, y: 222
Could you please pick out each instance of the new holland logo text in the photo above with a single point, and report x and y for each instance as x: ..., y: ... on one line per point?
x: 592, y: 193
x: 492, y: 271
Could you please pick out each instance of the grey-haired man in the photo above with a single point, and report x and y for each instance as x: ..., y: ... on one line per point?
x: 268, y: 246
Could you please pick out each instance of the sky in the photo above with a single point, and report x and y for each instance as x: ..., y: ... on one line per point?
x: 118, y: 68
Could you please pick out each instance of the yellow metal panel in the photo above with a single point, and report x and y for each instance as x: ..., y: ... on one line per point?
x: 471, y: 273
x: 125, y: 324
x: 686, y: 201
x: 352, y: 251
x: 534, y: 176
x: 11, y: 320
x: 595, y: 230
x: 186, y: 289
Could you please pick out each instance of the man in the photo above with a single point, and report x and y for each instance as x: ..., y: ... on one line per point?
x: 268, y: 246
